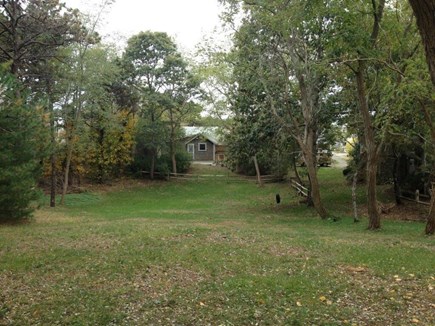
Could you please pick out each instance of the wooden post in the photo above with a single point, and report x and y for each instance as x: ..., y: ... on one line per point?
x: 355, y: 208
x: 257, y: 170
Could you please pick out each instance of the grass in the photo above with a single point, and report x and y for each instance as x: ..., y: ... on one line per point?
x: 213, y: 253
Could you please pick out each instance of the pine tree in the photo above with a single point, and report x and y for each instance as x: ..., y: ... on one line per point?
x: 20, y: 150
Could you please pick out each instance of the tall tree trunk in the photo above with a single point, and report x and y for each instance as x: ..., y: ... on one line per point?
x: 315, y: 192
x: 396, y: 182
x: 101, y: 159
x: 310, y: 104
x: 66, y: 175
x: 308, y: 151
x: 172, y: 142
x: 53, y: 181
x: 153, y: 164
x: 371, y: 149
x: 257, y: 171
x: 424, y: 11
x: 70, y: 146
x: 174, y: 161
x: 295, y: 170
x: 172, y: 152
x: 354, y: 204
x: 430, y: 225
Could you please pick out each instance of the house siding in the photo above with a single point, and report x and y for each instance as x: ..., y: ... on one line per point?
x: 207, y: 155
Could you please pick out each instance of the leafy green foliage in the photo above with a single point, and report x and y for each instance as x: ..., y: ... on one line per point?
x: 21, y: 150
x: 109, y: 155
x: 99, y: 132
x: 142, y: 160
x: 166, y: 89
x: 32, y: 31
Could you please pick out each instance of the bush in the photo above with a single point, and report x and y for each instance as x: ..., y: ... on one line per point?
x: 142, y: 162
x: 164, y: 163
x: 184, y: 160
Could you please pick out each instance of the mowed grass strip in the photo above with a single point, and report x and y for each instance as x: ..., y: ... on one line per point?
x: 213, y: 253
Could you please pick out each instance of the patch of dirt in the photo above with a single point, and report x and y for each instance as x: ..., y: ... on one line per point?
x: 122, y: 184
x: 403, y: 300
x: 115, y: 185
x: 408, y: 211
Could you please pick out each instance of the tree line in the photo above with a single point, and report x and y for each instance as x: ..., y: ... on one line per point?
x: 298, y: 74
x: 301, y: 69
x: 72, y: 108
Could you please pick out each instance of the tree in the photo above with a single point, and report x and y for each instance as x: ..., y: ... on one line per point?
x: 21, y: 139
x: 32, y: 30
x: 360, y: 49
x: 108, y: 129
x: 372, y: 148
x: 214, y: 64
x: 166, y: 88
x: 75, y: 98
x: 382, y: 62
x: 256, y: 135
x: 181, y: 90
x: 287, y: 43
x: 143, y: 63
x: 31, y: 34
x: 424, y: 11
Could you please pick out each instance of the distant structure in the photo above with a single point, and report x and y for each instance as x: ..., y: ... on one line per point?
x: 204, y: 144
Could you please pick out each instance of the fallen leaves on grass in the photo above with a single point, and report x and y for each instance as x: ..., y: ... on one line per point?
x: 370, y: 296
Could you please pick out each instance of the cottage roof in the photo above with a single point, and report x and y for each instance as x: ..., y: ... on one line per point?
x: 211, y: 133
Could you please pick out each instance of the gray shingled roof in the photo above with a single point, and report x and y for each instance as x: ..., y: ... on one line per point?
x: 211, y: 133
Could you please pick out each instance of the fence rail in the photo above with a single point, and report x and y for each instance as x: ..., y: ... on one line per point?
x: 223, y: 177
x: 301, y: 190
x: 416, y: 197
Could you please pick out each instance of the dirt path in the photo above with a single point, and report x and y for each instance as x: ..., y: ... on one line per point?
x: 339, y: 160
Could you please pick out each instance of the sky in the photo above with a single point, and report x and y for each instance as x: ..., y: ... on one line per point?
x: 187, y: 21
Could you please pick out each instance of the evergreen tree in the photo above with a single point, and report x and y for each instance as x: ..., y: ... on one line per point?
x: 20, y: 151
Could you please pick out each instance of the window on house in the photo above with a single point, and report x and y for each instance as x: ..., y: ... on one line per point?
x: 202, y: 147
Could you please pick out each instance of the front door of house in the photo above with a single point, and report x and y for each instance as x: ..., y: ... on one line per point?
x: 191, y: 150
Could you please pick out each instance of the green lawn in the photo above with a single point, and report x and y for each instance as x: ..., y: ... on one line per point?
x: 213, y: 253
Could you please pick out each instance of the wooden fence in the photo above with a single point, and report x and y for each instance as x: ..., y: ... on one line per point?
x: 300, y: 189
x: 222, y: 177
x: 417, y: 197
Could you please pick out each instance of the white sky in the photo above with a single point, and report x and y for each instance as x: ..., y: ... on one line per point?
x: 187, y: 21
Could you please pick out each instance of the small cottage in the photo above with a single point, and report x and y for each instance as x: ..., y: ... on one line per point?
x: 204, y: 144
